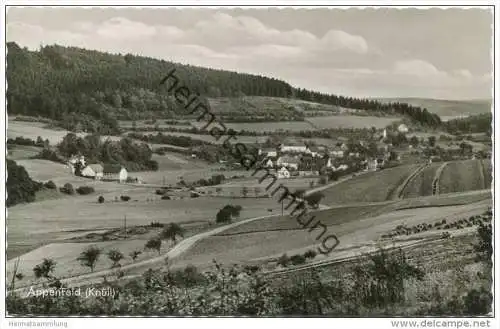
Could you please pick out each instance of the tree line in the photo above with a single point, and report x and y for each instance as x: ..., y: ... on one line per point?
x: 91, y: 90
x: 130, y: 154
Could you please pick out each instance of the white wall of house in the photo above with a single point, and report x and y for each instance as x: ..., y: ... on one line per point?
x: 88, y: 171
x: 123, y: 175
x: 283, y: 173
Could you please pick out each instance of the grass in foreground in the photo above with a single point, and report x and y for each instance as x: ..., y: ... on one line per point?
x: 382, y: 284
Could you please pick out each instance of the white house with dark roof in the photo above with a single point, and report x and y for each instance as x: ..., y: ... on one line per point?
x: 115, y: 172
x: 94, y: 170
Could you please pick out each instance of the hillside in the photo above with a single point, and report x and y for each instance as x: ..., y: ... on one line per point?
x: 91, y: 90
x: 446, y: 109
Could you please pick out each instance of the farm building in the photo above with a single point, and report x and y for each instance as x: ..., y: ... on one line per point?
x: 268, y: 163
x: 283, y: 173
x: 337, y: 152
x: 288, y: 161
x: 95, y: 171
x: 268, y: 152
x: 115, y: 172
x: 294, y: 149
x: 372, y: 165
x: 402, y: 128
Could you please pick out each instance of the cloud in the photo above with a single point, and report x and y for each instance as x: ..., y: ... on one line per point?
x: 123, y: 28
x: 416, y: 67
x: 340, y: 40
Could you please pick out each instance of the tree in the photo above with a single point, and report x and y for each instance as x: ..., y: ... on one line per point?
x: 115, y: 256
x: 223, y: 216
x: 172, y: 231
x: 45, y: 269
x: 414, y: 141
x: 100, y: 199
x: 484, y: 247
x: 313, y: 199
x: 432, y: 141
x: 20, y: 187
x: 154, y: 244
x: 68, y: 189
x: 134, y: 254
x: 89, y: 257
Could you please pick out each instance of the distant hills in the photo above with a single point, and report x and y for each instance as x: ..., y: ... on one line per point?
x: 446, y: 109
x: 91, y: 90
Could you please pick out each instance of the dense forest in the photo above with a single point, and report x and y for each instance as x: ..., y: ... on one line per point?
x: 90, y: 90
x: 20, y: 187
x: 481, y: 123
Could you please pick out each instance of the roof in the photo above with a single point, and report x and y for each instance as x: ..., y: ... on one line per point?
x: 112, y: 168
x: 288, y: 159
x: 97, y: 168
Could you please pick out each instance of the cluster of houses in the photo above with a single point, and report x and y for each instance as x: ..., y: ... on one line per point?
x: 303, y: 160
x: 112, y: 172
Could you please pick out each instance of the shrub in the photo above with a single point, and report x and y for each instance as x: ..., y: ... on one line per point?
x: 125, y: 198
x: 100, y: 199
x: 161, y: 191
x: 134, y: 254
x: 115, y: 256
x: 223, y: 216
x: 84, y: 190
x: 314, y: 198
x: 47, y: 154
x: 50, y: 185
x: 478, y: 302
x: 297, y: 259
x: 166, y: 197
x: 154, y: 243
x: 188, y: 277
x: 68, y: 189
x: 310, y: 254
x: 284, y: 260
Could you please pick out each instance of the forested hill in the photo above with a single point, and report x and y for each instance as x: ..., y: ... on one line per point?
x: 93, y: 89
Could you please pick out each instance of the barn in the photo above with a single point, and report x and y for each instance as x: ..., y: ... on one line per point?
x: 95, y: 171
x: 115, y: 172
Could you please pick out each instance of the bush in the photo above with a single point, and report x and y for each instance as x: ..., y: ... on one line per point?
x: 223, y: 216
x: 100, y: 199
x: 297, y: 259
x: 84, y: 190
x: 47, y: 154
x: 50, y: 185
x: 188, y: 277
x: 166, y: 197
x: 125, y: 198
x: 310, y: 254
x: 161, y: 192
x: 284, y: 260
x: 478, y: 302
x: 68, y: 189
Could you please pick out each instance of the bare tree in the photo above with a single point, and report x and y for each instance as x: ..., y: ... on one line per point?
x: 134, y: 254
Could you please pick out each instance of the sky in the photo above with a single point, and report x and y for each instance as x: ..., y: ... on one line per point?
x: 374, y: 52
